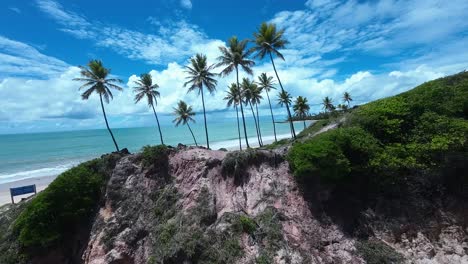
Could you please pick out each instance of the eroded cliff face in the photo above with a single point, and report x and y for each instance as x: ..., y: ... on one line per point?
x: 255, y: 215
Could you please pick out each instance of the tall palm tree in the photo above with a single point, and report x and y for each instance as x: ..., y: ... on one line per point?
x: 327, y: 104
x: 347, y: 98
x: 233, y: 98
x: 200, y: 74
x: 233, y: 56
x: 252, y: 95
x: 184, y: 114
x: 267, y: 42
x: 301, y: 108
x: 146, y: 88
x: 266, y: 84
x: 96, y: 81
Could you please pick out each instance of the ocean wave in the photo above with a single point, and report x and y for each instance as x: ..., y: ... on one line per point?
x: 36, y: 173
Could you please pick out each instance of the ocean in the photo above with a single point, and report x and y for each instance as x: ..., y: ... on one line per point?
x: 25, y: 156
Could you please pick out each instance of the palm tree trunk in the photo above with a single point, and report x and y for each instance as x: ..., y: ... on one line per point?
x: 304, y: 124
x: 272, y: 118
x: 192, y: 134
x: 107, y: 124
x: 256, y: 126
x: 287, y: 105
x: 159, y: 127
x: 258, y: 122
x: 204, y: 115
x: 242, y: 108
x: 238, y: 128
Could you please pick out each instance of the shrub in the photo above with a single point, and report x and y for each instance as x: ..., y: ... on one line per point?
x: 245, y: 224
x: 377, y: 252
x: 333, y: 155
x: 61, y: 209
x: 154, y: 155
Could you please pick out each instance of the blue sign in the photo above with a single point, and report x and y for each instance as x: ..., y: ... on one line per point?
x: 23, y: 190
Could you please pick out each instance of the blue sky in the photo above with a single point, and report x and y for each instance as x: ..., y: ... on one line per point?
x: 372, y: 49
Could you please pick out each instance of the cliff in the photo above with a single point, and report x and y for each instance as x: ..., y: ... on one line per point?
x: 384, y: 183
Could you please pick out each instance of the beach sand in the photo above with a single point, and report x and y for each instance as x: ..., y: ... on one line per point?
x: 41, y: 184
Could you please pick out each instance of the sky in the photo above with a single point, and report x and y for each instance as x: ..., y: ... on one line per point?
x: 371, y: 49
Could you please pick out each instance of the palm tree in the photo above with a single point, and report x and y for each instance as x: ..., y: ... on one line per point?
x: 284, y: 98
x: 252, y: 95
x: 95, y: 78
x: 301, y: 108
x: 266, y: 84
x: 200, y: 75
x: 146, y: 88
x: 233, y: 98
x: 233, y: 57
x: 184, y: 114
x: 267, y: 42
x: 347, y: 98
x: 342, y: 107
x: 327, y: 104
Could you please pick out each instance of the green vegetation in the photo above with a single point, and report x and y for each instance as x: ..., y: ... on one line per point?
x: 236, y: 163
x: 65, y: 207
x: 411, y: 144
x: 156, y: 156
x: 377, y: 252
x: 184, y: 114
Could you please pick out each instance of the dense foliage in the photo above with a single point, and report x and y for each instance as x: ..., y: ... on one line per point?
x: 56, y: 215
x: 412, y: 143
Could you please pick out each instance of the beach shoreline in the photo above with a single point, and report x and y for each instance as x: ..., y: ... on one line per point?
x: 42, y: 182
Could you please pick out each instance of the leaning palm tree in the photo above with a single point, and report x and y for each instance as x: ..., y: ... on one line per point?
x: 233, y: 56
x: 267, y: 42
x: 347, y: 98
x: 96, y: 81
x: 233, y: 98
x: 301, y: 108
x: 266, y: 84
x: 251, y: 93
x: 200, y: 74
x: 327, y: 104
x: 184, y: 114
x: 146, y: 88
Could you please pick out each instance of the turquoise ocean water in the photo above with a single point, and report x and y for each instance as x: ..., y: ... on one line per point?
x: 26, y: 156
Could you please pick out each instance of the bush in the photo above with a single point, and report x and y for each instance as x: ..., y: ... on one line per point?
x: 155, y: 155
x: 64, y: 207
x: 333, y: 155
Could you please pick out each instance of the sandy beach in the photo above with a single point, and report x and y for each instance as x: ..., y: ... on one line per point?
x: 41, y: 183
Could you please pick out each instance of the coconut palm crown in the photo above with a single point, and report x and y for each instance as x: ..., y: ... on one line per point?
x: 200, y: 75
x: 95, y: 78
x: 327, y: 104
x: 347, y: 98
x: 147, y: 89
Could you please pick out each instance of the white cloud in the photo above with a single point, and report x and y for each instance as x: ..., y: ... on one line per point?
x: 187, y: 4
x: 174, y: 41
x: 20, y: 59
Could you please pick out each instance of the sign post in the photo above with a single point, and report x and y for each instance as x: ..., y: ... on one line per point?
x: 22, y: 190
